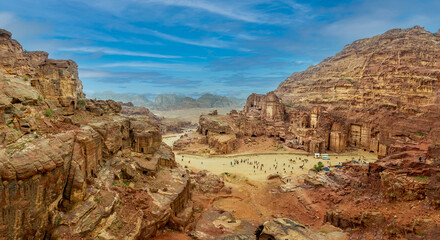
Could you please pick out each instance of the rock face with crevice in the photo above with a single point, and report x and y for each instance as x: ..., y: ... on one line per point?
x: 72, y: 167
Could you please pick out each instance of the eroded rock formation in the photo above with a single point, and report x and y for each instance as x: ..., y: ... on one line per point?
x: 381, y: 91
x: 379, y: 94
x: 56, y: 80
x: 72, y: 167
x: 166, y: 125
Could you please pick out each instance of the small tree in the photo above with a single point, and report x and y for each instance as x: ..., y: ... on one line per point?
x: 49, y: 112
x: 82, y: 102
x: 318, y: 167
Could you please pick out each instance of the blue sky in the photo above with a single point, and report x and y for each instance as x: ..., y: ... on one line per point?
x: 190, y: 47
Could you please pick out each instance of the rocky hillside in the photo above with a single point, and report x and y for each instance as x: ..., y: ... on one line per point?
x: 74, y: 168
x: 137, y: 100
x: 169, y: 102
x: 383, y: 91
x: 380, y: 94
x: 166, y: 102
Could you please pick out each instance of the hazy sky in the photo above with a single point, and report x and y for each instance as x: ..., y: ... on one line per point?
x: 226, y: 47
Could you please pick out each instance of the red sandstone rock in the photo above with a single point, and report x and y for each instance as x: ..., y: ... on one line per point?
x: 377, y: 94
x: 57, y: 172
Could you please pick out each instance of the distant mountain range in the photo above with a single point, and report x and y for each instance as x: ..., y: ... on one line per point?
x: 166, y: 102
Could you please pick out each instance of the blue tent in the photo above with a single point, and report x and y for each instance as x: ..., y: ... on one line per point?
x: 326, y: 169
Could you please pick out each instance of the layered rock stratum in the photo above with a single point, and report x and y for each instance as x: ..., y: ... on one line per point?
x: 75, y: 168
x: 380, y: 94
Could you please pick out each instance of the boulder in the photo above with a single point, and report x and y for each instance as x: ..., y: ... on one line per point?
x: 207, y: 182
x: 286, y: 229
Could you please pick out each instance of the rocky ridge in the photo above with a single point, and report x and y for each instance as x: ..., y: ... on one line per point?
x: 170, y: 102
x: 74, y: 168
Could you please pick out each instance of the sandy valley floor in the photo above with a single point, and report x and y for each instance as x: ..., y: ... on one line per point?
x: 257, y: 166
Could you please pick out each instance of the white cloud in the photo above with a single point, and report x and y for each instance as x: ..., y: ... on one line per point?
x: 369, y: 25
x: 226, y: 10
x: 110, y: 51
x: 213, y: 42
x: 155, y: 65
x: 20, y: 28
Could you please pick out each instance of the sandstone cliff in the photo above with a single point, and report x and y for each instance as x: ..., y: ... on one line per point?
x: 56, y: 80
x: 382, y: 92
x: 379, y: 94
x: 75, y: 168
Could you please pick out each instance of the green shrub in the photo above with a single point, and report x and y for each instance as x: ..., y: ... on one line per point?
x: 26, y: 78
x: 318, y: 167
x: 422, y: 178
x: 126, y: 182
x: 82, y: 102
x: 49, y: 112
x: 394, y: 195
